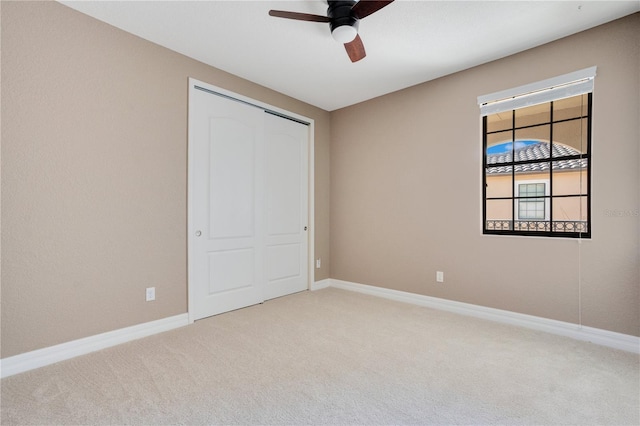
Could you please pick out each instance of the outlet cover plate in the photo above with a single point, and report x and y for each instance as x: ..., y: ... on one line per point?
x: 151, y: 294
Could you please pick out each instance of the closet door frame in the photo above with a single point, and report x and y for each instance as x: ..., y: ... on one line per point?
x: 195, y: 84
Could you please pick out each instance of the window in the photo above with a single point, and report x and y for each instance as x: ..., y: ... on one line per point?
x: 531, y: 201
x: 537, y: 158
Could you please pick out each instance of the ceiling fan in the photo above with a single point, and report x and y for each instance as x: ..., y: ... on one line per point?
x: 343, y: 17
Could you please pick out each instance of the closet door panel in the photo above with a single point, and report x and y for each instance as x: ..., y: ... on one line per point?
x: 227, y: 209
x: 286, y: 152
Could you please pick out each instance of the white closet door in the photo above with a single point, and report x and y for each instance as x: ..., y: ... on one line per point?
x: 286, y: 193
x: 227, y: 168
x: 248, y: 205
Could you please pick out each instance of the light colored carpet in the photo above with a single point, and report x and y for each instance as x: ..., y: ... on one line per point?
x: 335, y: 357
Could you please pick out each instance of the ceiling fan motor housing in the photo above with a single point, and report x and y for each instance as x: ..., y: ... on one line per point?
x: 341, y: 15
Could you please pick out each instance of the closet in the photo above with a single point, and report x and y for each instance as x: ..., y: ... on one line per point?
x: 248, y: 202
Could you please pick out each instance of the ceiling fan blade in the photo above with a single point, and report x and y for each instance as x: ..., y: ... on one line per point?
x: 367, y: 7
x: 355, y: 49
x: 298, y: 16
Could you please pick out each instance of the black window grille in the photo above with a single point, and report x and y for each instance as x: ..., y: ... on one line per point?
x: 537, y: 169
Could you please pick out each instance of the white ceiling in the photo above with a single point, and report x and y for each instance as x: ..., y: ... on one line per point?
x: 407, y: 42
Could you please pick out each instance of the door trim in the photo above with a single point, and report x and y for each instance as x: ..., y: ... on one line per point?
x: 195, y: 84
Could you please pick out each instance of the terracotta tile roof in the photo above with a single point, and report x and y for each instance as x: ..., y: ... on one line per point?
x: 538, y: 151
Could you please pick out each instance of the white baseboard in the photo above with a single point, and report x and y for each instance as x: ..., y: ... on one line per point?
x: 46, y: 356
x: 319, y: 285
x: 611, y: 339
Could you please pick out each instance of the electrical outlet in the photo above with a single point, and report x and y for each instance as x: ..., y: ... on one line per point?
x: 151, y: 294
x: 439, y: 276
x: 318, y: 263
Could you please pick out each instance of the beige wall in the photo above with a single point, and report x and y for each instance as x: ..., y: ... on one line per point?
x: 397, y: 217
x: 94, y: 167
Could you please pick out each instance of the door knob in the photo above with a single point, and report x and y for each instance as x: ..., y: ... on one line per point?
x: 305, y: 228
x: 198, y: 233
